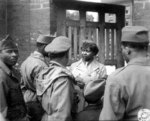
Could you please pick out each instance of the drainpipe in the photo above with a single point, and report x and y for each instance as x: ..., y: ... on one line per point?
x: 6, y: 18
x: 132, y: 3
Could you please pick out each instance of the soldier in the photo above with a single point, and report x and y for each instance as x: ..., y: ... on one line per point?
x: 127, y: 89
x: 12, y: 105
x: 30, y: 69
x: 87, y: 69
x: 93, y: 93
x: 55, y: 84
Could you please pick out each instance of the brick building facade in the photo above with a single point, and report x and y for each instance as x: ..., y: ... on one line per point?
x: 24, y: 20
x: 3, y: 17
x: 141, y: 14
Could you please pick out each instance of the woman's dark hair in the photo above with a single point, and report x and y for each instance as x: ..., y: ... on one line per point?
x: 92, y: 46
x: 136, y: 46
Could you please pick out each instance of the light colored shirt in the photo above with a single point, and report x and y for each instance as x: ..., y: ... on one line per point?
x: 88, y: 72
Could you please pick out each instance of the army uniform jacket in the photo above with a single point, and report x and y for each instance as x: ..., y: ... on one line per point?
x: 90, y: 113
x: 12, y: 105
x: 127, y: 91
x: 56, y: 90
x: 29, y: 71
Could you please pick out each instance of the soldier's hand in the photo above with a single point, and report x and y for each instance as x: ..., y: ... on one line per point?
x: 80, y: 84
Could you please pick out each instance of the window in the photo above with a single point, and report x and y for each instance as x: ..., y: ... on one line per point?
x: 128, y: 22
x: 127, y: 12
x: 92, y: 16
x: 72, y: 15
x: 110, y: 18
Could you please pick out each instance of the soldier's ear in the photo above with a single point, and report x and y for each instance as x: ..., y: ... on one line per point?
x: 128, y: 50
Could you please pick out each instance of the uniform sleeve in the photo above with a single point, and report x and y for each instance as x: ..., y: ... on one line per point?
x: 59, y: 100
x: 113, y: 105
x: 3, y: 104
x: 36, y: 70
x: 28, y: 81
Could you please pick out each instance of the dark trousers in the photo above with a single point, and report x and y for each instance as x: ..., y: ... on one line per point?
x: 90, y: 113
x: 35, y: 111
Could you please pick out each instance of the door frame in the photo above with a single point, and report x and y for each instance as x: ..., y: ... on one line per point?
x: 119, y: 10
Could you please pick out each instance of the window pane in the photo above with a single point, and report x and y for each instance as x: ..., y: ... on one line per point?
x: 110, y: 18
x: 91, y: 16
x: 72, y: 14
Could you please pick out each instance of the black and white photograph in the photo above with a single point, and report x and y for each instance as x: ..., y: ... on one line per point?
x: 74, y: 60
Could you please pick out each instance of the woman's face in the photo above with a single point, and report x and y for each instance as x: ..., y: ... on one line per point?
x: 87, y: 54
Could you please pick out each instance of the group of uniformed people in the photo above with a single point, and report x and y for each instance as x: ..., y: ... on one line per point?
x: 48, y: 89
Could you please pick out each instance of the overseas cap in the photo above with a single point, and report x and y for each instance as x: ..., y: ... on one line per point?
x: 59, y: 44
x: 138, y: 34
x: 44, y: 39
x: 94, y: 90
x: 8, y: 43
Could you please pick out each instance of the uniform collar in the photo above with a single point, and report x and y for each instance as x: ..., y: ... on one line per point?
x: 140, y: 61
x: 38, y: 55
x: 81, y: 61
x: 10, y: 71
x: 136, y: 61
x: 56, y: 63
x: 144, y: 61
x: 94, y: 64
x: 50, y: 74
x: 5, y: 68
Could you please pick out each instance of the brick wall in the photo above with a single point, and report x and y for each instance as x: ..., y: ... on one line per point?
x: 3, y: 14
x: 18, y: 24
x: 26, y: 20
x: 141, y: 14
x: 40, y: 16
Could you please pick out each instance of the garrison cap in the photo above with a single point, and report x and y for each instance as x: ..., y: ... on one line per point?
x: 44, y: 39
x: 8, y: 43
x: 94, y: 90
x: 58, y: 45
x: 137, y: 34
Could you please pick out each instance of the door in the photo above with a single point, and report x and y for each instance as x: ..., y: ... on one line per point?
x: 105, y: 30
